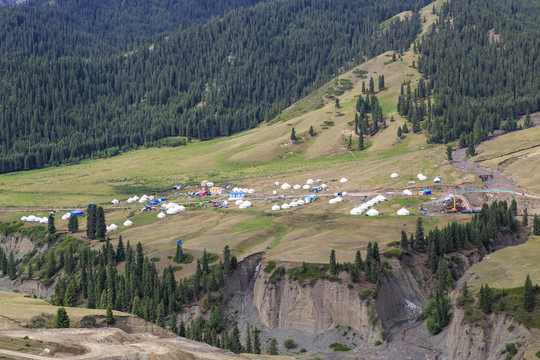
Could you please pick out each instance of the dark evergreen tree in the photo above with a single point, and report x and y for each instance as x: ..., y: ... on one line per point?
x: 109, y: 317
x: 101, y: 226
x: 256, y: 341
x: 120, y: 252
x: 50, y: 225
x: 420, y: 241
x: 61, y: 320
x: 528, y: 295
x: 91, y: 213
x: 536, y: 225
x: 293, y: 134
x: 273, y: 349
x: 333, y: 264
x: 73, y: 224
x: 525, y: 220
x: 404, y: 241
x: 449, y: 152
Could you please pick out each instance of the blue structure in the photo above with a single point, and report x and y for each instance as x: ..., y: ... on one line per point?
x: 179, y: 242
x: 76, y: 213
x: 426, y: 192
x: 237, y: 195
x: 162, y: 199
x: 309, y: 198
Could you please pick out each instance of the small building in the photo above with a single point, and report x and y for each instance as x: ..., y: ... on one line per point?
x: 216, y: 190
x: 309, y: 198
x: 237, y: 195
x: 206, y: 183
x: 201, y: 193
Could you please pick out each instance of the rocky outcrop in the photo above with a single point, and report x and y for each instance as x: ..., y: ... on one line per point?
x: 484, y: 341
x: 314, y: 308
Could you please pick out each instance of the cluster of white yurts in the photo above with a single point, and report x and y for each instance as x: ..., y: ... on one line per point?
x: 246, y: 190
x: 292, y: 204
x: 32, y: 218
x: 243, y: 204
x: 360, y: 209
x: 141, y: 199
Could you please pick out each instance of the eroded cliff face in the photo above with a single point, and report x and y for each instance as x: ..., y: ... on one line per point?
x: 315, y: 308
x: 484, y: 341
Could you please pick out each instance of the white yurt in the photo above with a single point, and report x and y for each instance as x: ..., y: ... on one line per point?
x: 130, y: 200
x: 171, y: 211
x: 344, y: 193
x: 44, y: 220
x: 245, y: 190
x: 437, y: 179
x: 356, y: 211
x: 294, y: 204
x: 310, y: 182
x: 108, y: 229
x: 243, y: 206
x: 66, y: 217
x: 274, y: 192
x: 23, y: 218
x: 113, y: 227
x: 332, y: 201
x: 224, y: 203
x: 246, y: 203
x: 161, y: 215
x: 306, y: 187
x: 285, y: 186
x: 380, y: 197
x: 152, y: 197
x: 115, y: 202
x: 143, y: 200
x: 37, y: 219
x: 297, y: 187
x: 403, y: 212
x: 285, y: 206
x: 421, y: 177
x: 31, y: 218
x: 251, y: 191
x: 324, y: 186
x: 276, y: 207
x: 394, y: 175
x: 339, y: 199
x: 239, y: 202
x: 128, y: 223
x: 276, y: 183
x: 372, y: 212
x: 407, y: 192
x: 181, y: 208
x: 135, y: 198
x: 301, y: 202
x: 343, y: 180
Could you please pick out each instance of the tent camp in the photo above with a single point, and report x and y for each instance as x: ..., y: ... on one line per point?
x: 403, y: 212
x: 276, y: 183
x: 372, y: 212
x: 356, y: 211
x: 23, y: 218
x: 333, y: 201
x: 294, y: 203
x: 128, y: 223
x: 394, y: 175
x: 172, y: 211
x: 324, y: 186
x: 407, y: 192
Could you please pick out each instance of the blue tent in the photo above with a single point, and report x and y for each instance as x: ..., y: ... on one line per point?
x: 179, y: 242
x: 161, y: 199
x: 76, y: 213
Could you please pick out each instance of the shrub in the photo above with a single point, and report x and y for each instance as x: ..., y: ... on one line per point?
x: 339, y: 347
x: 378, y: 342
x: 289, y: 343
x: 383, y: 334
x: 277, y: 274
x: 393, y: 253
x: 538, y: 354
x: 270, y: 267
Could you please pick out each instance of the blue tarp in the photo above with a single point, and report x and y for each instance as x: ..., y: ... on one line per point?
x: 426, y: 192
x: 161, y: 199
x: 76, y: 213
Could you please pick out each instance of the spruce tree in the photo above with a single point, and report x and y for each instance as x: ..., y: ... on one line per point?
x: 91, y: 222
x: 536, y: 225
x: 404, y: 240
x: 405, y: 129
x: 337, y: 103
x: 358, y: 260
x: 311, y: 131
x: 399, y: 132
x: 420, y: 243
x: 528, y: 295
x: 513, y: 208
x: 361, y: 140
x: 449, y: 152
x: 70, y: 297
x: 525, y: 220
x: 109, y: 317
x: 179, y: 256
x: 249, y: 348
x: 182, y: 329
x: 227, y: 266
x: 273, y: 349
x: 50, y: 226
x: 527, y: 122
x: 101, y: 226
x: 293, y: 135
x: 120, y: 252
x: 256, y: 341
x: 371, y: 85
x: 234, y: 341
x: 73, y: 224
x: 61, y: 320
x: 160, y: 319
x: 172, y: 324
x: 333, y: 264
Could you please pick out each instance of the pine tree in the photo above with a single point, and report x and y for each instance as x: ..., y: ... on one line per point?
x: 399, y: 132
x: 513, y: 208
x: 182, y: 329
x: 70, y: 297
x: 120, y: 252
x: 471, y: 150
x: 216, y: 319
x: 337, y: 103
x: 486, y: 299
x: 293, y: 134
x: 273, y: 349
x: 381, y: 82
x: 73, y: 224
x: 405, y: 129
x: 312, y: 131
x: 234, y: 341
x: 50, y: 226
x: 363, y: 87
x: 371, y: 86
x: 361, y: 140
x: 528, y: 295
x: 525, y: 220
x: 349, y: 143
x: 109, y: 317
x: 61, y: 320
x: 527, y: 122
x: 333, y: 264
x: 227, y: 266
x: 160, y: 319
x: 179, y: 256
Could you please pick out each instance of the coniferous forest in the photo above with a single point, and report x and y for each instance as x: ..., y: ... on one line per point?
x: 482, y: 62
x: 72, y: 87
